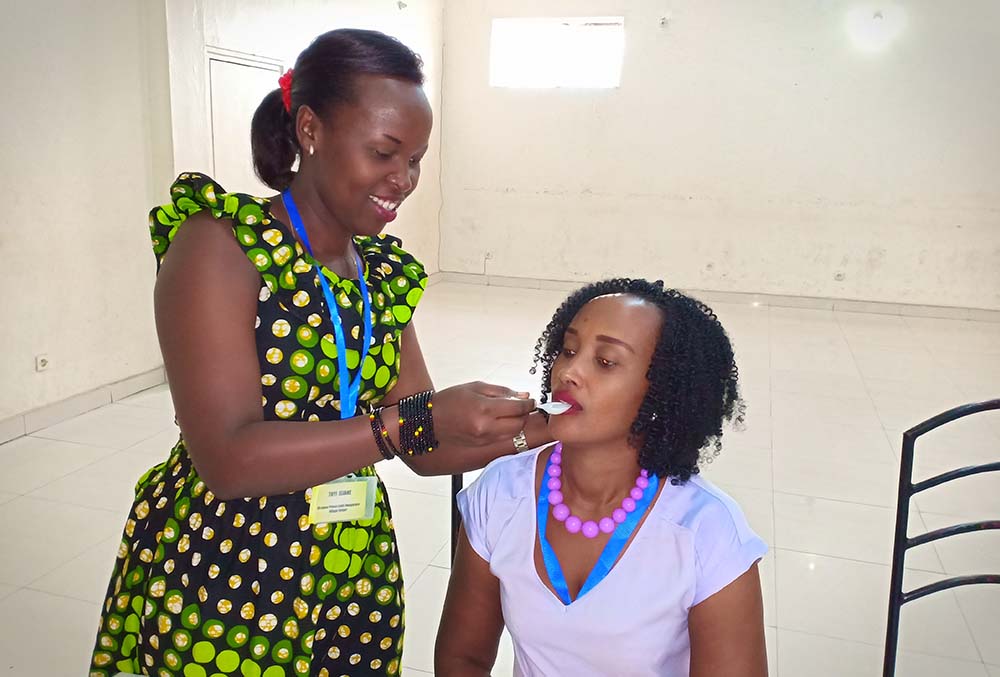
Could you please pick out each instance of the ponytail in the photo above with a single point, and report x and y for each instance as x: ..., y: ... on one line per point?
x: 273, y: 143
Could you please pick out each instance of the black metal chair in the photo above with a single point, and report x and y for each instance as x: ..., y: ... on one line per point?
x: 902, y: 543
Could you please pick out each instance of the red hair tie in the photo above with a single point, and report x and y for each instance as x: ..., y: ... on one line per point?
x: 285, y: 82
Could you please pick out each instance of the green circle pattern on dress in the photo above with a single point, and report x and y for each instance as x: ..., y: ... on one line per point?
x: 246, y: 586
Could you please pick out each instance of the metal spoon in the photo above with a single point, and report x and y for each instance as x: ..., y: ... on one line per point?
x: 554, y: 408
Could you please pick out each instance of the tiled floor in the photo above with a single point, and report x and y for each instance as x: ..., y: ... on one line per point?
x: 815, y: 470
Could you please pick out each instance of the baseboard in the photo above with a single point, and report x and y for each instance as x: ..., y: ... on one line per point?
x: 771, y: 300
x: 63, y: 410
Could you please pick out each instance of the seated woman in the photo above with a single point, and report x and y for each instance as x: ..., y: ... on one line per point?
x: 606, y: 553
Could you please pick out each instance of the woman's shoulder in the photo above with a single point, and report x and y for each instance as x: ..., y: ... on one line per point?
x: 197, y: 199
x: 394, y: 270
x: 701, y: 507
x: 508, y: 479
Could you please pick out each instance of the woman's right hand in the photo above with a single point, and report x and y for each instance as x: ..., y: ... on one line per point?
x: 479, y: 414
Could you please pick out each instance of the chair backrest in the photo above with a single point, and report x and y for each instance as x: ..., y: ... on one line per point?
x: 902, y: 543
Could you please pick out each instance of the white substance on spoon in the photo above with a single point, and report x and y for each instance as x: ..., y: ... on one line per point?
x: 555, y: 408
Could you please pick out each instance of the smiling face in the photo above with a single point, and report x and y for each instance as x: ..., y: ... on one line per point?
x: 602, y: 368
x: 367, y: 152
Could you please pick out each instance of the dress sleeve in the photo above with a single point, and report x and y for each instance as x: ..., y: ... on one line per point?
x: 725, y: 545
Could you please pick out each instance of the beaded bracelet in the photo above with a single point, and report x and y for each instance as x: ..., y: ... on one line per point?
x: 416, y: 424
x: 381, y: 433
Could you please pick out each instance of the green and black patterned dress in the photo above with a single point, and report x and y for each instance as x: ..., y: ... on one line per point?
x: 248, y: 587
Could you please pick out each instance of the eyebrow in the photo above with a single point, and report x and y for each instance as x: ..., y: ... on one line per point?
x: 400, y: 143
x: 605, y: 339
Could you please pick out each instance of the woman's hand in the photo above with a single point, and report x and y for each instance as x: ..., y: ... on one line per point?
x: 473, y: 422
x: 479, y: 414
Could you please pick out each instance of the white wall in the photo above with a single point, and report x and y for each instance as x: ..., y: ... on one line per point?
x: 280, y: 29
x: 86, y: 147
x: 750, y: 147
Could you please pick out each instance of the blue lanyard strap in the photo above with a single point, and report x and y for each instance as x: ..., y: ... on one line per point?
x: 349, y: 389
x: 612, y: 551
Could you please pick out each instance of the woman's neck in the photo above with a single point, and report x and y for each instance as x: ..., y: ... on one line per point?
x: 595, y: 477
x: 331, y: 244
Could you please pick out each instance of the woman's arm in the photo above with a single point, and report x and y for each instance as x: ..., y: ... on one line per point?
x: 453, y: 456
x: 205, y: 302
x: 472, y: 620
x: 727, y: 631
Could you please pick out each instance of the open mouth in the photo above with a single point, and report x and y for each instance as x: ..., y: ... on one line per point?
x: 563, y: 396
x: 388, y: 205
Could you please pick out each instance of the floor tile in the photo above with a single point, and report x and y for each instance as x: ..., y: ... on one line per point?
x: 44, y: 634
x: 976, y: 552
x: 822, y: 359
x: 740, y: 467
x: 833, y: 442
x: 816, y: 656
x: 848, y: 600
x: 397, y: 475
x: 422, y: 524
x: 867, y: 329
x: 902, y: 413
x: 836, y: 479
x: 945, y: 335
x: 979, y: 605
x: 106, y: 484
x: 789, y: 409
x: 884, y: 388
x: 771, y: 640
x: 815, y: 383
x: 6, y: 590
x: 968, y: 495
x: 424, y: 601
x: 156, y: 449
x: 443, y: 558
x: 845, y: 530
x: 906, y: 364
x: 85, y: 577
x: 768, y: 589
x: 116, y: 425
x: 153, y: 398
x: 30, y: 462
x: 40, y: 536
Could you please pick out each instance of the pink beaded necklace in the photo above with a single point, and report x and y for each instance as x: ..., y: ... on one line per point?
x: 589, y: 528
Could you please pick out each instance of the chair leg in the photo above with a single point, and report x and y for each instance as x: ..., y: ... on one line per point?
x: 456, y: 517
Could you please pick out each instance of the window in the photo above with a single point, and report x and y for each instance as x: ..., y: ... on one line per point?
x: 544, y: 53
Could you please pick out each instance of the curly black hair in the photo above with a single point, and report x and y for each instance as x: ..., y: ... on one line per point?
x: 693, y: 379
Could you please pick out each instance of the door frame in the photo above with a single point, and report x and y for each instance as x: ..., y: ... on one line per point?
x: 213, y: 53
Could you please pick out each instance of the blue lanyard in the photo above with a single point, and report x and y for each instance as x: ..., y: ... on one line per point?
x: 349, y: 389
x: 612, y: 551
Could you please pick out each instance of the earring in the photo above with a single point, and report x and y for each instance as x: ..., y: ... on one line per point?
x: 312, y: 151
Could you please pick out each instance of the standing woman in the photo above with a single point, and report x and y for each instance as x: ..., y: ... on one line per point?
x: 285, y: 330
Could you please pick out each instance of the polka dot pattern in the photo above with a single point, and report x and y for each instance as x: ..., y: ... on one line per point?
x: 247, y: 586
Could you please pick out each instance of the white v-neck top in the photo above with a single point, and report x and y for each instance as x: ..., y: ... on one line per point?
x: 694, y: 542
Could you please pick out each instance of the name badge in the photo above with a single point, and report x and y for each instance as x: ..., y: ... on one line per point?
x: 347, y: 499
